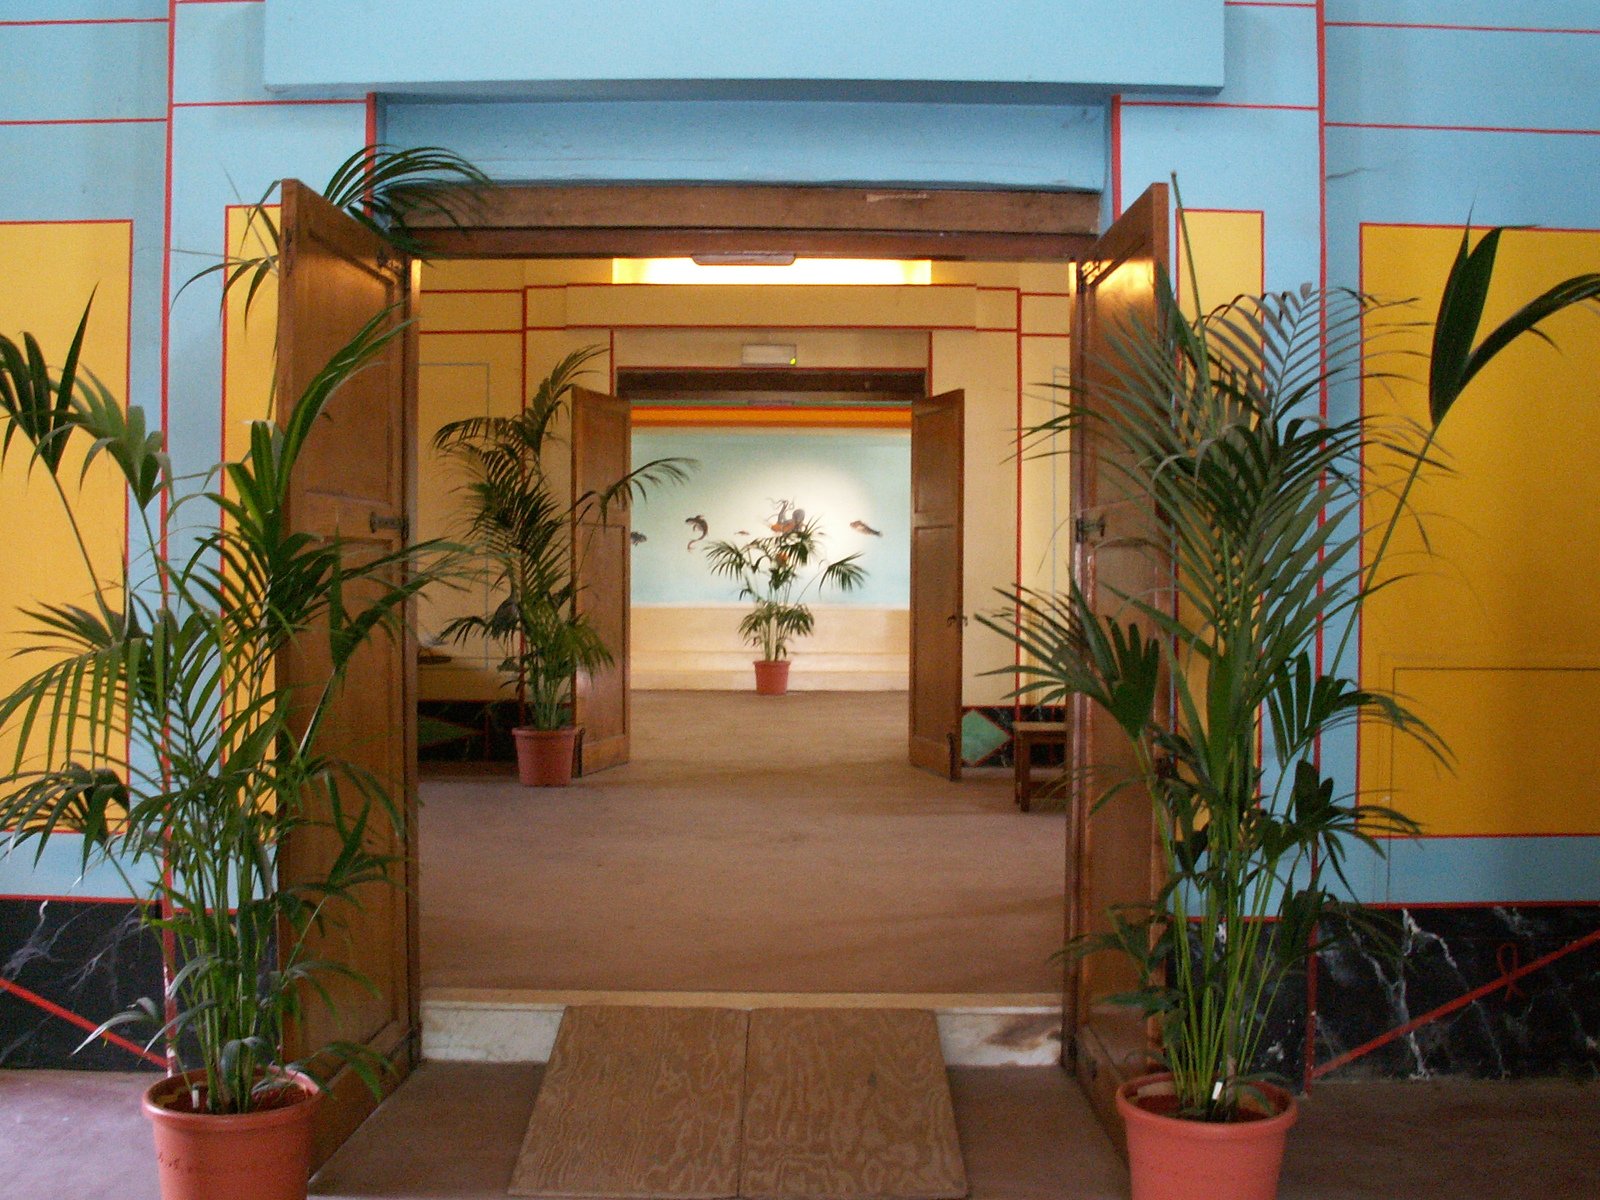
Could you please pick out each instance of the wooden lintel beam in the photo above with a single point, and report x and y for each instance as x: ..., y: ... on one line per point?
x: 762, y: 207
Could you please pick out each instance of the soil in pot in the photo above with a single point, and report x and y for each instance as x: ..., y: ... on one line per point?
x: 262, y: 1155
x: 1175, y: 1159
x: 772, y: 677
x: 544, y: 756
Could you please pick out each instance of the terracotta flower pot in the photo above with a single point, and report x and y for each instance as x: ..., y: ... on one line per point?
x: 264, y: 1155
x: 772, y: 677
x: 544, y: 756
x: 1174, y: 1159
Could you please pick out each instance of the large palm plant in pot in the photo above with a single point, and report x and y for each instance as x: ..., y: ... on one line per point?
x: 530, y: 545
x: 1254, y: 510
x: 774, y: 574
x: 154, y: 726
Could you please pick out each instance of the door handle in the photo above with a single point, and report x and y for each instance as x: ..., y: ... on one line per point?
x: 957, y: 619
x: 376, y: 523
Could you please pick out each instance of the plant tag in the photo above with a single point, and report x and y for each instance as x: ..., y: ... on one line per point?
x: 1216, y: 1090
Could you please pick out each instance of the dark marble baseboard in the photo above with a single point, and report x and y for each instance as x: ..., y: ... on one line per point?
x: 91, y: 958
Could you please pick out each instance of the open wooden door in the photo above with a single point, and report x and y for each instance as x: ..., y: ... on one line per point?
x: 937, y: 448
x: 1116, y: 853
x: 602, y: 450
x: 354, y: 481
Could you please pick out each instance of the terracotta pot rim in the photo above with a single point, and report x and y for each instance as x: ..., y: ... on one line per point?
x: 530, y: 731
x: 310, y: 1094
x: 771, y: 662
x: 1218, y: 1131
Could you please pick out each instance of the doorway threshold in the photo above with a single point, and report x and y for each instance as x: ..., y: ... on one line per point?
x: 1016, y: 1029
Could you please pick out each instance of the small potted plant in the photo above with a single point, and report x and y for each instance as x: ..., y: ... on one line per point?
x: 155, y: 728
x: 772, y: 572
x: 1218, y: 685
x: 529, y: 547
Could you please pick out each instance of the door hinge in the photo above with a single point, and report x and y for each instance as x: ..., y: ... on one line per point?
x: 1088, y: 529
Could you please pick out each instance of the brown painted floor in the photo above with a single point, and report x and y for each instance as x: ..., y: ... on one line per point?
x: 755, y: 844
x: 453, y: 1131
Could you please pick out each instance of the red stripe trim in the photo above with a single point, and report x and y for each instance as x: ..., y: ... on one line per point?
x: 1266, y: 4
x: 87, y: 121
x: 73, y: 899
x: 1459, y: 28
x: 454, y: 332
x: 85, y: 21
x: 1311, y: 108
x: 1461, y: 1001
x: 1462, y: 128
x: 437, y: 291
x: 257, y: 103
x: 55, y: 1010
x: 1116, y: 156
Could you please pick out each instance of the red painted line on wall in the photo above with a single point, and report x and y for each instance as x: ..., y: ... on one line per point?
x: 1477, y: 993
x: 55, y: 1010
x: 85, y: 21
x: 72, y: 899
x: 786, y: 326
x: 1267, y: 4
x: 438, y: 291
x: 1311, y: 108
x: 86, y: 121
x: 1467, y: 837
x: 1116, y: 155
x: 524, y: 347
x: 1460, y: 28
x: 259, y: 103
x: 1045, y: 335
x: 456, y: 332
x: 1016, y: 649
x: 1462, y: 128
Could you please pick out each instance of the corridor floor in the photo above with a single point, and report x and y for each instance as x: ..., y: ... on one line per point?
x: 754, y: 844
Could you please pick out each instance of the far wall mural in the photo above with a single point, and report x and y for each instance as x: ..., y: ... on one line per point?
x: 857, y: 483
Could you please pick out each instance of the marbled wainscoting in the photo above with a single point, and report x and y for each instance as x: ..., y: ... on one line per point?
x: 1547, y: 1022
x: 91, y: 958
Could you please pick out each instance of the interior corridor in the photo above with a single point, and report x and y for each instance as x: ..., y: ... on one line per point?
x: 754, y: 844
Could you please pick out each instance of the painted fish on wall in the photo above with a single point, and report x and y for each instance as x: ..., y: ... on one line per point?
x: 863, y: 527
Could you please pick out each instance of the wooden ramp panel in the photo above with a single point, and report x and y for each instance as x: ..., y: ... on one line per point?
x: 638, y: 1102
x: 843, y: 1104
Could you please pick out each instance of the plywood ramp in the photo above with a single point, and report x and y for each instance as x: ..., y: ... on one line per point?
x: 847, y: 1104
x: 638, y: 1102
x: 775, y: 1104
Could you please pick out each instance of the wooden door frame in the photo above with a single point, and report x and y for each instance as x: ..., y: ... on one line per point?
x: 681, y: 220
x: 902, y: 386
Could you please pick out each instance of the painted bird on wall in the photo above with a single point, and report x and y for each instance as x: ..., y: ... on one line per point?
x: 698, y: 524
x: 863, y: 527
x: 637, y: 538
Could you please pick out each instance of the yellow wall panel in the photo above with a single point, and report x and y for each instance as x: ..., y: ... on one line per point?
x: 47, y: 272
x: 249, y: 339
x: 472, y: 310
x: 867, y: 307
x: 997, y: 308
x: 1046, y: 314
x: 1228, y: 251
x: 1497, y: 635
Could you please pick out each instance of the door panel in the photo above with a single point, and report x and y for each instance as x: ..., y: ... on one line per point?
x: 937, y: 449
x: 353, y: 481
x: 1114, y: 852
x: 602, y: 450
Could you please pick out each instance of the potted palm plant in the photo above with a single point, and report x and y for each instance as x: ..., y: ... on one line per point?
x: 1254, y: 510
x: 155, y: 727
x: 530, y: 548
x: 771, y: 573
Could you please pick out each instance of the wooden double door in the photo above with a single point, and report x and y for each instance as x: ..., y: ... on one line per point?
x: 335, y: 276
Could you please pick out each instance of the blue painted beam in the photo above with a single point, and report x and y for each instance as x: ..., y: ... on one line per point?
x: 733, y: 47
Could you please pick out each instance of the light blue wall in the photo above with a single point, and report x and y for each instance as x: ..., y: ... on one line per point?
x: 474, y: 46
x: 837, y: 477
x: 1414, y: 124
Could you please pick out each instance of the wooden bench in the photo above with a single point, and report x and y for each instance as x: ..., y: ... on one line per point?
x: 1025, y: 736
